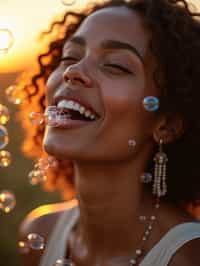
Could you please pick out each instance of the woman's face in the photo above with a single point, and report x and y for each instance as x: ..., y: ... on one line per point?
x: 107, y: 65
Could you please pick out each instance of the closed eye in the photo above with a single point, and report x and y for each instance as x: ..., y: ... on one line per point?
x: 68, y: 58
x: 118, y: 67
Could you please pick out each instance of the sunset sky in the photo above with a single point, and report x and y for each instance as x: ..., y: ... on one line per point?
x: 26, y: 18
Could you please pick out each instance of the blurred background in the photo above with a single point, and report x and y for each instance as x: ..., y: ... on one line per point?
x: 25, y: 19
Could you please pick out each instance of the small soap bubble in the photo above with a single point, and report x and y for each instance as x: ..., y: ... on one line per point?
x: 37, y: 176
x: 45, y: 163
x: 35, y: 241
x: 7, y: 40
x: 132, y: 143
x: 151, y: 103
x: 36, y: 118
x: 51, y: 114
x: 4, y: 114
x: 23, y: 247
x: 5, y: 158
x: 15, y: 94
x: 4, y: 139
x: 146, y: 178
x: 64, y: 262
x: 68, y: 2
x: 7, y: 201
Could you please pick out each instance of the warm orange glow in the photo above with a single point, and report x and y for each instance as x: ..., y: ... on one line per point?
x: 25, y: 19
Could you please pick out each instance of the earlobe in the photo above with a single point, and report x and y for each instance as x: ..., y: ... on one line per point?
x: 169, y: 129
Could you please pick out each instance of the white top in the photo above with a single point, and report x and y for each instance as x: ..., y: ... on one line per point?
x: 159, y: 255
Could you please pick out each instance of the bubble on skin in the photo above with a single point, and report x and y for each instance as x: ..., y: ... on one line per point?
x: 35, y: 241
x: 7, y: 201
x: 15, y: 94
x: 68, y: 2
x: 36, y: 118
x: 5, y: 158
x: 151, y: 103
x: 23, y: 247
x: 146, y: 178
x: 37, y: 176
x: 132, y: 143
x: 4, y: 139
x: 64, y: 262
x: 4, y: 114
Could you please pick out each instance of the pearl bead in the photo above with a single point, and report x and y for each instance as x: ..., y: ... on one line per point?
x: 133, y: 262
x: 138, y: 251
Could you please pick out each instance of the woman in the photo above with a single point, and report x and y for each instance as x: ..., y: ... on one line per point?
x: 111, y: 58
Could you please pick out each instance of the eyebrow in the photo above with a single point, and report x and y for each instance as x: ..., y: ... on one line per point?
x: 110, y: 44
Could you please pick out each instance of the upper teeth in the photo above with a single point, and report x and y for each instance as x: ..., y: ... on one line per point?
x: 77, y: 107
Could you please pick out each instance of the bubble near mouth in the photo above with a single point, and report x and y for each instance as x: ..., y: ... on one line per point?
x: 54, y: 117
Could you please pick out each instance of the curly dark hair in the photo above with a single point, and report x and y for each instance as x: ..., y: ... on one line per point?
x: 175, y: 44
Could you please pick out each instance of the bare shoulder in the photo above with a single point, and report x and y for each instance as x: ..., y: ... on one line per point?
x: 188, y: 254
x: 41, y: 221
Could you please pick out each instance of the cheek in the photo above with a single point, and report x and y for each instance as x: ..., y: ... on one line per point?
x: 53, y: 82
x: 123, y: 97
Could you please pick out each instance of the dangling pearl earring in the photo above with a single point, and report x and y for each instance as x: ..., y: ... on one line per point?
x: 159, y: 185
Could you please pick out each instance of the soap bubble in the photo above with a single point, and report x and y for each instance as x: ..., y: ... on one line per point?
x: 35, y: 241
x: 146, y: 177
x: 132, y: 143
x: 37, y: 176
x: 5, y: 158
x: 7, y: 201
x: 64, y: 262
x: 7, y: 40
x: 45, y: 163
x: 4, y: 114
x: 36, y: 118
x: 68, y: 2
x: 15, y: 94
x: 23, y: 247
x: 51, y: 114
x: 4, y: 139
x: 151, y: 103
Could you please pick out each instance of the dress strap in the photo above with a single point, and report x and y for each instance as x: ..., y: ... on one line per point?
x: 163, y: 251
x: 56, y: 246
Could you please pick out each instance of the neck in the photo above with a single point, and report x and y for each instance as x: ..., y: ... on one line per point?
x: 111, y: 198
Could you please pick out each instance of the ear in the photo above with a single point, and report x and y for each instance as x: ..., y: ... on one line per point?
x: 169, y: 128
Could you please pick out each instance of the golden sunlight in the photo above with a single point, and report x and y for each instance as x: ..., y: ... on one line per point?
x: 25, y: 20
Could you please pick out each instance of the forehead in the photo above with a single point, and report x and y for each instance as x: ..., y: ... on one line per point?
x: 116, y: 23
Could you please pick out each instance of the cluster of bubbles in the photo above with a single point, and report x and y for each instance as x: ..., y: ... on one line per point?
x: 52, y: 117
x: 39, y: 175
x: 7, y: 197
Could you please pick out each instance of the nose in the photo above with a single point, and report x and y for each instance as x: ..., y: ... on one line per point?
x: 77, y: 75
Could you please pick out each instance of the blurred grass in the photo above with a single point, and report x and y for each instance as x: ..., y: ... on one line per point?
x: 14, y: 178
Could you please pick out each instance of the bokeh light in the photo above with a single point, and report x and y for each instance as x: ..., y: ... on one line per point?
x: 7, y: 201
